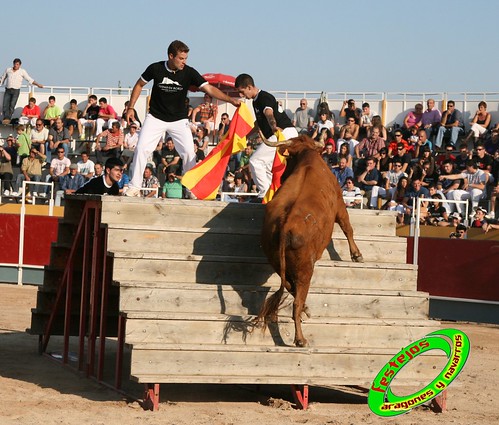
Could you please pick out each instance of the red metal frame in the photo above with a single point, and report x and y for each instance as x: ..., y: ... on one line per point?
x: 300, y: 395
x: 151, y: 397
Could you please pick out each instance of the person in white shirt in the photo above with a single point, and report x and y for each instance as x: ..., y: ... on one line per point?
x: 13, y: 79
x: 86, y: 166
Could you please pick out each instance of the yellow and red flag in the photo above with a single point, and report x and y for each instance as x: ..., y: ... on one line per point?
x: 278, y: 167
x: 204, y: 179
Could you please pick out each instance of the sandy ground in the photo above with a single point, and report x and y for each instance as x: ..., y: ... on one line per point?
x: 36, y: 390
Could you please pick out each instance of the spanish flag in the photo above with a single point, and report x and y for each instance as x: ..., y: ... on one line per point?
x: 278, y: 167
x: 204, y: 179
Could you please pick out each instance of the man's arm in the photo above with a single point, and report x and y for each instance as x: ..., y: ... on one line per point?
x: 269, y: 114
x: 218, y: 94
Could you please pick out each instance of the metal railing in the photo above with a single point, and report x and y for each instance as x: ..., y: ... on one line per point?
x: 224, y: 196
x: 355, y: 198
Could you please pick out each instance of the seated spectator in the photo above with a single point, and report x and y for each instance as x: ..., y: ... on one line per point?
x: 169, y: 158
x: 86, y: 166
x: 172, y: 188
x: 202, y: 138
x: 348, y: 110
x: 491, y: 143
x: 421, y: 143
x: 150, y: 181
x: 58, y: 138
x: 453, y: 220
x: 397, y: 201
x: 59, y: 167
x: 350, y: 127
x: 123, y: 183
x: 347, y: 140
x: 107, y: 115
x: 200, y: 156
x: 129, y: 144
x: 451, y: 124
x: 240, y: 186
x: 413, y: 138
x: 425, y: 155
x: 71, y: 117
x: 207, y: 112
x: 31, y: 170
x: 39, y: 136
x: 224, y: 125
x: 402, y: 156
x: 430, y: 121
x: 384, y: 164
x: 484, y: 161
x: 326, y: 137
x: 398, y: 138
x: 105, y: 183
x: 329, y: 156
x: 479, y: 218
x: 415, y: 191
x: 125, y: 122
x: 51, y: 112
x: 413, y: 119
x: 447, y: 155
x: 6, y: 173
x: 490, y: 226
x: 447, y: 185
x: 114, y: 141
x: 369, y: 178
x: 352, y: 191
x: 323, y: 122
x: 69, y: 183
x: 473, y: 188
x: 436, y: 212
x: 390, y: 181
x: 369, y: 148
x: 365, y: 121
x: 303, y: 118
x: 23, y: 143
x: 244, y: 166
x: 460, y: 233
x: 30, y: 113
x: 99, y: 169
x: 344, y: 152
x: 89, y: 117
x: 377, y: 123
x: 342, y: 172
x: 479, y: 124
x: 464, y: 155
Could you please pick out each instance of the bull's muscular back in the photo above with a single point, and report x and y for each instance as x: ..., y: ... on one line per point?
x: 302, y: 214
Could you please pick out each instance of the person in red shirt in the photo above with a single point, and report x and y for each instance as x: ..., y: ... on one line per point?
x: 107, y: 115
x: 31, y: 112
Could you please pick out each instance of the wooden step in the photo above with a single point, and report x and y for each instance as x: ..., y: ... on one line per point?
x: 213, y: 214
x: 154, y: 269
x: 243, y: 242
x: 176, y: 328
x: 243, y: 300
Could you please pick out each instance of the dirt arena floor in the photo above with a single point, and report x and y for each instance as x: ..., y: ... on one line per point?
x: 36, y: 390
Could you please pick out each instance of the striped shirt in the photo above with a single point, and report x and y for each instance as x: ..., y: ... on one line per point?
x: 15, y: 78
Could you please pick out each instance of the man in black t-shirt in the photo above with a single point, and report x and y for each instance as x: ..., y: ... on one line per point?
x: 106, y: 184
x: 167, y: 112
x: 269, y: 119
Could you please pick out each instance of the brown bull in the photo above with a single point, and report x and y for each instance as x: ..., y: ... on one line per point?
x: 298, y: 225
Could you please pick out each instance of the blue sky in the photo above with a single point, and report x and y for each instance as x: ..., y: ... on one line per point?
x: 335, y: 46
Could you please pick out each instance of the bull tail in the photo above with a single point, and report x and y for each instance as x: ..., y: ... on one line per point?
x: 268, y: 313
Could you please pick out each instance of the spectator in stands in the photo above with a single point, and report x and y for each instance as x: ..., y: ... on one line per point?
x: 11, y: 149
x: 127, y: 121
x: 421, y: 143
x: 460, y: 233
x: 223, y: 127
x: 13, y: 79
x: 6, y: 173
x: 447, y: 155
x: 31, y: 170
x: 377, y: 123
x: 89, y: 117
x: 51, y: 112
x: 415, y: 191
x: 244, y: 166
x: 464, y: 155
x: 480, y: 123
x: 170, y: 161
x: 303, y: 118
x: 344, y: 152
x: 413, y: 119
x: 30, y: 113
x: 107, y: 115
x: 352, y: 191
x: 397, y: 201
x: 129, y: 144
x: 342, y: 172
x: 449, y: 185
x: 69, y: 183
x: 172, y: 188
x: 240, y: 186
x: 347, y: 140
x: 365, y: 121
x: 402, y: 156
x: 425, y: 155
x: 479, y: 218
x: 86, y: 166
x: 350, y: 127
x: 483, y: 160
x: 71, y: 117
x: 348, y: 110
x: 369, y: 148
x: 430, y: 121
x: 23, y: 143
x: 58, y: 138
x: 390, y: 181
x: 207, y: 112
x: 59, y: 167
x: 369, y: 178
x: 451, y: 123
x: 397, y: 138
x: 39, y: 136
x: 489, y: 226
x: 106, y: 183
x: 323, y: 122
x: 202, y: 138
x: 329, y: 156
x: 99, y: 169
x: 473, y: 188
x: 384, y: 164
x: 199, y: 153
x: 436, y: 212
x: 114, y: 141
x: 150, y: 181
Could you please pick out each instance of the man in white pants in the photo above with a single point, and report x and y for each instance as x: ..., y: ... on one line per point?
x: 167, y: 112
x: 269, y: 119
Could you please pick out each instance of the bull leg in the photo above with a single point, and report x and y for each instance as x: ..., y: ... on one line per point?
x: 298, y: 306
x: 344, y: 222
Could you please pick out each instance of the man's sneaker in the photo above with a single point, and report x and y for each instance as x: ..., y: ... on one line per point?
x: 35, y: 193
x: 6, y: 193
x: 13, y: 194
x: 132, y: 191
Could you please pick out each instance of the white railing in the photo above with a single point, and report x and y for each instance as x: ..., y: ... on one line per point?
x: 225, y: 196
x: 149, y: 189
x: 415, y: 220
x: 355, y: 198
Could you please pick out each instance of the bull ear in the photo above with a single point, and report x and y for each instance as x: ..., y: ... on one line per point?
x: 272, y: 144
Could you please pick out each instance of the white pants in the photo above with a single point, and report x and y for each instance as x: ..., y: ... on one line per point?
x: 463, y: 195
x: 100, y: 123
x: 150, y: 134
x: 26, y: 120
x: 477, y: 129
x: 377, y: 191
x: 261, y: 162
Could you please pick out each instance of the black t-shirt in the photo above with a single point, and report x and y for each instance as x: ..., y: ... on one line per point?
x: 97, y: 186
x: 266, y: 100
x: 169, y: 90
x: 404, y: 159
x: 169, y: 155
x: 483, y: 163
x: 93, y: 112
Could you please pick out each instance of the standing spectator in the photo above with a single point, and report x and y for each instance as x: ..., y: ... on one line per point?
x: 71, y: 117
x: 6, y: 173
x: 89, y: 118
x: 107, y: 115
x: 348, y: 110
x: 13, y: 79
x: 207, y: 113
x: 104, y: 183
x: 58, y: 138
x: 452, y: 122
x: 480, y: 123
x: 86, y: 166
x: 51, y: 112
x: 168, y: 109
x: 268, y: 119
x: 39, y: 136
x: 31, y: 170
x: 303, y: 118
x: 59, y: 167
x: 244, y: 163
x: 69, y: 183
x: 430, y: 121
x: 114, y: 141
x: 23, y: 143
x: 30, y: 113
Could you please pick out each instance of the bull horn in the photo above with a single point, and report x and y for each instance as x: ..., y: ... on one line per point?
x: 272, y: 144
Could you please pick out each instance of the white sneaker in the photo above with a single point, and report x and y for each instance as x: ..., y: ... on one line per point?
x: 35, y: 193
x: 13, y: 194
x: 132, y: 191
x: 6, y: 193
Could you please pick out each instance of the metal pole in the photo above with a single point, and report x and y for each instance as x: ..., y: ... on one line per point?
x: 21, y: 237
x: 416, y: 233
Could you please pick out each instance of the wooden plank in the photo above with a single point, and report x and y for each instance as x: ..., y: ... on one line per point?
x: 236, y: 331
x: 212, y: 299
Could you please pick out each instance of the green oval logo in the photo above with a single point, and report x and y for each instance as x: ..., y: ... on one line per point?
x: 456, y: 346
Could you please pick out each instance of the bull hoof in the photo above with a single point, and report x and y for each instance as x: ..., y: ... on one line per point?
x: 357, y: 258
x: 301, y: 342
